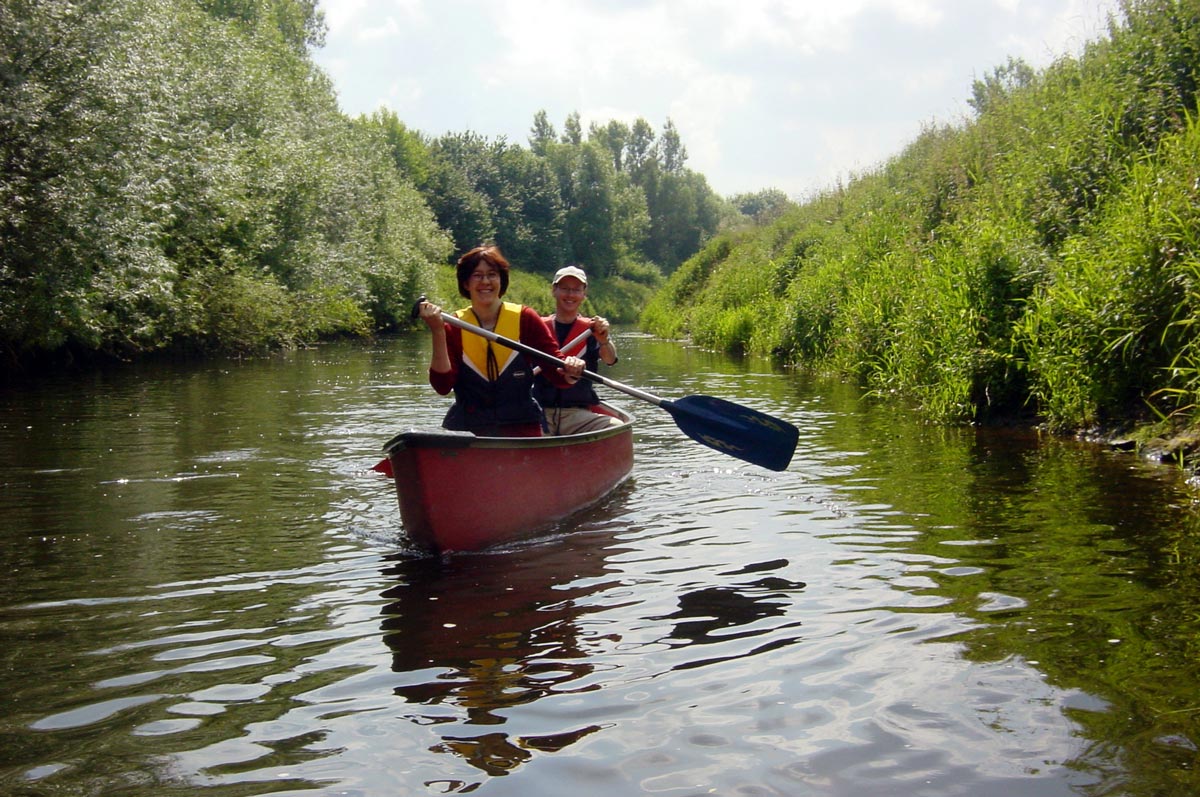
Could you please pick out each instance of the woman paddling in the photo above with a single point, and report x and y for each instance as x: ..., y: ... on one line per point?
x: 492, y: 384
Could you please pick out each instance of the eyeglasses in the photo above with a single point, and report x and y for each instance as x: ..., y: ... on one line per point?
x: 481, y: 276
x: 572, y: 291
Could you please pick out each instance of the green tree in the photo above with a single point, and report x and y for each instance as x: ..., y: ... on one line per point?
x: 182, y: 178
x: 409, y: 149
x: 46, y: 53
x: 684, y: 212
x: 1016, y: 74
x: 460, y: 209
x: 572, y: 130
x: 672, y: 154
x: 521, y: 195
x: 763, y: 206
x: 542, y: 134
x: 531, y: 219
x: 591, y: 216
x: 300, y: 23
x: 641, y: 154
x: 614, y: 137
x: 458, y: 206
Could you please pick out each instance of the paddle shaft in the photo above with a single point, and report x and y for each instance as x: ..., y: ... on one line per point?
x: 570, y: 344
x: 384, y: 466
x: 730, y: 428
x: 549, y: 359
x: 722, y: 425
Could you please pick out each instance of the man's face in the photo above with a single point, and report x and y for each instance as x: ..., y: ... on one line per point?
x: 569, y: 293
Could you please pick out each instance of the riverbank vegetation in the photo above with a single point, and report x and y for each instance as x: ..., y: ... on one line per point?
x: 176, y: 174
x: 1040, y: 259
x: 178, y: 177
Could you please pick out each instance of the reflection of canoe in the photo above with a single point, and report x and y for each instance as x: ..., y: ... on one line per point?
x: 478, y: 640
x: 459, y: 492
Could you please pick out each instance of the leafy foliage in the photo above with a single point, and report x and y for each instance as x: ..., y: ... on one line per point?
x: 182, y: 178
x: 617, y: 200
x: 1039, y: 257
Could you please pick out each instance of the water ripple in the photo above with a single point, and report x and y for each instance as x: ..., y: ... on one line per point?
x: 861, y: 623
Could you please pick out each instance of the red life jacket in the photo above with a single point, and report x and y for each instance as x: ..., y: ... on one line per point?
x: 582, y: 393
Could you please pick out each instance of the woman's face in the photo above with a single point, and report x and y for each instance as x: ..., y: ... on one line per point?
x: 484, y: 284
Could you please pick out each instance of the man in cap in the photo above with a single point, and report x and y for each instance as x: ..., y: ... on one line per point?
x: 575, y: 409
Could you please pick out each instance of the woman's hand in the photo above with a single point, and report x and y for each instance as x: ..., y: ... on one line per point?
x: 572, y: 369
x: 432, y: 315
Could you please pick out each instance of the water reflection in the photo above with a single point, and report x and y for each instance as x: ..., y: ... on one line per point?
x: 487, y: 634
x: 203, y: 596
x: 729, y: 613
x: 501, y: 630
x: 1094, y: 588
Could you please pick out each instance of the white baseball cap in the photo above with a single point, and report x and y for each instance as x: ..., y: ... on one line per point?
x: 570, y: 271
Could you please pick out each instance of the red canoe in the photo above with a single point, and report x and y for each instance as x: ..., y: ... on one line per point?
x: 459, y: 492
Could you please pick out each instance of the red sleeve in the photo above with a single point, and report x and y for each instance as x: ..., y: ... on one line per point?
x: 535, y: 333
x: 443, y: 383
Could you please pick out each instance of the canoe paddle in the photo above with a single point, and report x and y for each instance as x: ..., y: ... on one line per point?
x: 384, y: 466
x: 570, y: 344
x: 724, y: 426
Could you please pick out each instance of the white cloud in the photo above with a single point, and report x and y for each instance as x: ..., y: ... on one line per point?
x: 403, y: 92
x: 706, y: 106
x: 766, y: 93
x: 921, y: 13
x: 341, y: 15
x: 389, y: 29
x: 796, y: 27
x: 579, y: 41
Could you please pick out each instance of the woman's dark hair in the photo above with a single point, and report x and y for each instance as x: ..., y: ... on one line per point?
x: 470, y: 261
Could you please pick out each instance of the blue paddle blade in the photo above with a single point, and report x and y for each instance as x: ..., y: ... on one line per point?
x: 735, y: 430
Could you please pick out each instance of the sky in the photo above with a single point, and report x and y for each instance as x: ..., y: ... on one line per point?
x: 793, y: 95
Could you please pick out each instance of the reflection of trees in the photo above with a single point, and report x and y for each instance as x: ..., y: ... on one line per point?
x: 1082, y: 562
x: 500, y: 630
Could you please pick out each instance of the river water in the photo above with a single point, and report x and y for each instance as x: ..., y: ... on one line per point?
x: 207, y: 591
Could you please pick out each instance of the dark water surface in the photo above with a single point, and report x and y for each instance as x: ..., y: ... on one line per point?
x: 206, y: 591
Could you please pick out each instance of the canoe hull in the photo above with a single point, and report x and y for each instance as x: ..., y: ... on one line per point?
x: 459, y: 492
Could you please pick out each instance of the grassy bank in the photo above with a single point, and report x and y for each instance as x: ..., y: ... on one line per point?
x: 1040, y: 260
